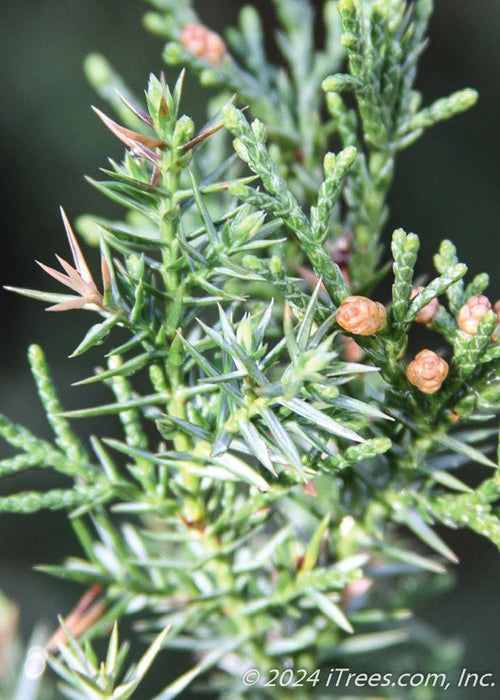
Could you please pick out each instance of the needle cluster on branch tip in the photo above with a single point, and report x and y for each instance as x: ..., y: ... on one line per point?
x: 79, y: 277
x: 139, y: 144
x: 81, y: 618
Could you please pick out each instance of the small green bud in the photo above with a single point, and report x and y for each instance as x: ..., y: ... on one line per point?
x: 404, y: 244
x: 89, y: 229
x: 275, y: 265
x: 370, y: 448
x: 329, y: 391
x: 232, y: 117
x: 339, y: 83
x: 173, y: 54
x: 251, y: 261
x: 346, y: 158
x: 248, y: 227
x: 259, y: 131
x: 446, y: 256
x: 348, y: 40
x: 241, y: 150
x: 160, y: 103
x: 184, y: 130
x: 329, y: 164
x: 334, y: 102
x: 97, y: 70
x: 157, y: 377
x: 176, y: 354
x: 477, y: 285
x: 244, y: 335
x: 157, y: 24
x: 464, y: 99
x: 208, y: 77
x: 313, y: 361
x: 250, y: 19
x: 115, y: 362
x: 238, y: 189
x: 346, y: 7
x: 135, y: 266
x: 330, y: 84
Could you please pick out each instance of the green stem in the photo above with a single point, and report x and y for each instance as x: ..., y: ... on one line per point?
x: 242, y: 623
x: 169, y: 221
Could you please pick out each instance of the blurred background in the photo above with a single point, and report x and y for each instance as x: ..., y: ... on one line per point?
x: 448, y: 185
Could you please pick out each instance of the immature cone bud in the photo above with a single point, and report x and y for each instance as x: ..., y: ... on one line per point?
x: 202, y: 42
x: 429, y: 312
x: 496, y: 309
x: 427, y: 371
x: 472, y: 312
x: 361, y: 316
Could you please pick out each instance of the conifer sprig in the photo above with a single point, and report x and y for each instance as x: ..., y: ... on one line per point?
x: 271, y: 491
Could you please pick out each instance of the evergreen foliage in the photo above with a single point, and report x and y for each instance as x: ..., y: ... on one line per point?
x: 270, y: 502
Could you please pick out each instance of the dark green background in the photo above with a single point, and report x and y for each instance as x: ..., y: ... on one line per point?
x: 448, y: 185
